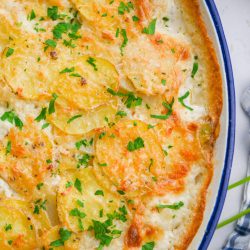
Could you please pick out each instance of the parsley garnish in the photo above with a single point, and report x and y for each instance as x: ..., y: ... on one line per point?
x: 80, y: 203
x: 12, y: 118
x: 99, y: 192
x: 67, y: 70
x: 53, y: 13
x: 52, y: 103
x: 73, y: 118
x: 135, y: 18
x: 45, y: 125
x: 42, y: 115
x: 150, y: 30
x: 121, y: 113
x: 174, y: 206
x: 78, y: 185
x: 64, y: 235
x: 39, y: 204
x: 83, y: 161
x: 50, y: 43
x: 195, y: 69
x: 148, y: 246
x: 125, y: 40
x: 137, y: 144
x: 121, y: 192
x: 182, y: 98
x: 8, y: 147
x: 84, y: 143
x: 39, y: 186
x: 8, y: 227
x: 76, y: 212
x: 92, y: 61
x: 32, y: 15
x: 122, y: 8
x: 102, y: 164
x: 68, y: 184
x: 9, y: 52
x: 169, y: 107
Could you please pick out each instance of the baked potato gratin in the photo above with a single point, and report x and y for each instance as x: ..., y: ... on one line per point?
x: 109, y: 111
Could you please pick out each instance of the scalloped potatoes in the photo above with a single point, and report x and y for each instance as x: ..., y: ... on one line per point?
x: 109, y: 111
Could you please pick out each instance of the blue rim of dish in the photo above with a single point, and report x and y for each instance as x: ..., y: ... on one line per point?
x: 231, y: 128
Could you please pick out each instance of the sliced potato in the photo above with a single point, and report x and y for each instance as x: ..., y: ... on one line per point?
x: 41, y: 220
x: 105, y: 18
x: 153, y: 73
x: 86, y: 85
x: 77, y: 209
x: 53, y: 235
x: 26, y: 161
x: 17, y: 230
x: 29, y: 71
x: 130, y: 170
x: 87, y: 121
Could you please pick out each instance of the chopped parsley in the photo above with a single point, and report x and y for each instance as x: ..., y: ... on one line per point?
x: 84, y: 143
x: 169, y: 107
x: 9, y: 52
x: 59, y: 29
x: 67, y: 70
x: 64, y: 236
x: 135, y: 18
x: 39, y: 204
x: 121, y: 192
x: 68, y: 184
x: 195, y: 69
x: 78, y: 185
x: 83, y: 161
x: 92, y: 61
x: 123, y: 7
x: 125, y: 40
x: 12, y: 118
x: 8, y: 227
x: 102, y: 164
x: 73, y: 118
x: 121, y: 113
x: 102, y: 135
x: 50, y: 43
x: 32, y: 15
x: 80, y: 203
x: 137, y: 144
x: 53, y: 13
x: 181, y: 101
x: 52, y: 103
x: 8, y: 147
x: 163, y: 82
x: 39, y: 186
x: 175, y: 206
x: 42, y: 115
x: 77, y: 213
x: 45, y: 125
x: 148, y: 246
x: 99, y: 192
x: 150, y: 30
x: 130, y: 101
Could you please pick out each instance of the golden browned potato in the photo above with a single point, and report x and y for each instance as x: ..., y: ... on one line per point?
x: 81, y: 199
x: 26, y: 161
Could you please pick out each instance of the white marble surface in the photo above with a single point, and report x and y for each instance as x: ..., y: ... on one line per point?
x: 235, y: 16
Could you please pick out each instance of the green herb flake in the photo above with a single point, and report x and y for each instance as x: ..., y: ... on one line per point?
x: 121, y: 113
x: 77, y: 213
x: 68, y: 184
x: 39, y: 186
x: 150, y: 30
x: 135, y: 18
x: 12, y: 118
x: 181, y: 101
x: 148, y: 246
x: 60, y: 29
x: 78, y: 185
x: 8, y: 147
x: 125, y: 40
x: 64, y: 236
x: 8, y: 227
x: 169, y: 107
x: 195, y: 69
x: 67, y: 70
x: 137, y: 144
x: 121, y: 192
x: 102, y: 164
x: 50, y: 43
x: 99, y: 192
x: 45, y: 125
x: 92, y: 61
x: 175, y: 206
x: 32, y: 15
x: 52, y: 103
x: 9, y: 52
x: 42, y: 115
x: 80, y: 203
x: 163, y: 82
x: 73, y: 118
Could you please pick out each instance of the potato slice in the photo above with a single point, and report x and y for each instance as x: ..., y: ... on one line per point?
x: 53, y: 235
x: 105, y: 18
x: 85, y: 86
x: 40, y: 220
x: 132, y: 156
x: 87, y: 121
x: 17, y: 230
x: 76, y: 208
x: 29, y: 71
x: 152, y: 73
x: 26, y: 161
